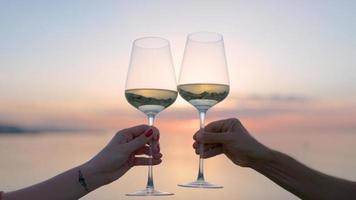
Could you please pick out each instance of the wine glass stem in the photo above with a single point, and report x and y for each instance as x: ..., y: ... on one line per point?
x: 200, y: 177
x: 150, y: 185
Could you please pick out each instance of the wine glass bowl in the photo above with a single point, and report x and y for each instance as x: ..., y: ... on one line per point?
x: 204, y: 59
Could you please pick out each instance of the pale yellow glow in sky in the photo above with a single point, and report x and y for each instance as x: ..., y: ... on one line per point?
x: 66, y: 63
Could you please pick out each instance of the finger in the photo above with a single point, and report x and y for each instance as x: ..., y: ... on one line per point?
x: 210, y: 137
x: 145, y: 150
x: 157, y: 156
x: 126, y: 135
x: 195, y: 145
x: 221, y: 125
x: 135, y: 130
x: 156, y: 148
x: 154, y: 145
x: 156, y: 138
x: 212, y: 152
x: 197, y: 151
x: 140, y: 141
x: 155, y: 132
x: 206, y: 146
x: 146, y: 161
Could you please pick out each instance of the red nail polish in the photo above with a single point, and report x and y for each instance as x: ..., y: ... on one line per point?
x: 149, y: 133
x: 157, y: 138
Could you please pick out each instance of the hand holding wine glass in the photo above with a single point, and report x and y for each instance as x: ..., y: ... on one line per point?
x: 231, y: 138
x: 123, y: 152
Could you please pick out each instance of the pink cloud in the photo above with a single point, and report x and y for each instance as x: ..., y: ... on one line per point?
x: 272, y: 113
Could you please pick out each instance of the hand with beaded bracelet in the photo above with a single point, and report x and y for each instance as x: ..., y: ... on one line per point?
x: 114, y: 160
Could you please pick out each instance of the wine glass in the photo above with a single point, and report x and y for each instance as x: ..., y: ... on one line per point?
x: 203, y: 82
x: 151, y: 87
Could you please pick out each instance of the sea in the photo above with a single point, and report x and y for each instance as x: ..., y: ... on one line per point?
x: 27, y: 159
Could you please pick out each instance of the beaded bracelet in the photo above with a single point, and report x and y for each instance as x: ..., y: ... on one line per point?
x: 82, y: 182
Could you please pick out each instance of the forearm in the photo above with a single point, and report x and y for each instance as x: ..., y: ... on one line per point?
x: 303, y: 181
x: 64, y: 186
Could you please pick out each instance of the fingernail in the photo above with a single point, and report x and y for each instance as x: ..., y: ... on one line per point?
x: 157, y: 137
x: 149, y: 133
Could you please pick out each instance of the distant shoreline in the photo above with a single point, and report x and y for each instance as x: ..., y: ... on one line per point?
x: 14, y: 130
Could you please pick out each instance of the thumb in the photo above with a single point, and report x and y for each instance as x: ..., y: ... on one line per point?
x: 140, y: 141
x: 212, y: 137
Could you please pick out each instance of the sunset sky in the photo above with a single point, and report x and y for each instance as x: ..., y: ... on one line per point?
x: 292, y: 64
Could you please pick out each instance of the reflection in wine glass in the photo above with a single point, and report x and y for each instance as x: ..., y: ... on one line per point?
x: 203, y: 82
x: 151, y: 87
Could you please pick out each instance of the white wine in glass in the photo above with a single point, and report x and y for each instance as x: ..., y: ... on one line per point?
x: 150, y: 101
x: 203, y: 95
x: 203, y: 82
x: 151, y: 87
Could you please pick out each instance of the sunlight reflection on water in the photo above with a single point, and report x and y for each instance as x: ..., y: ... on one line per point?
x: 30, y: 158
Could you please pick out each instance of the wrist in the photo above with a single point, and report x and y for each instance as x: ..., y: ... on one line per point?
x: 92, y: 176
x: 262, y: 158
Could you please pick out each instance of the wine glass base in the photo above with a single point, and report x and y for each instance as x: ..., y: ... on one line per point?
x: 200, y: 184
x: 149, y: 192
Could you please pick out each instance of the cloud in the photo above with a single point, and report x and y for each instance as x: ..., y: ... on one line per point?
x: 260, y: 113
x: 279, y: 98
x: 251, y: 105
